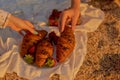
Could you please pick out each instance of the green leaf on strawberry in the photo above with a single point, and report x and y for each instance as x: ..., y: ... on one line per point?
x: 29, y: 59
x: 50, y: 62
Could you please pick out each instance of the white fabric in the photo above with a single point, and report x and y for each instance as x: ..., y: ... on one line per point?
x: 10, y: 60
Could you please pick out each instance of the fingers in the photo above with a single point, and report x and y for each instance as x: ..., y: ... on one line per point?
x: 15, y: 28
x: 62, y: 22
x: 31, y: 30
x: 18, y: 24
x: 68, y: 21
x: 74, y: 22
x: 30, y: 27
x: 29, y: 24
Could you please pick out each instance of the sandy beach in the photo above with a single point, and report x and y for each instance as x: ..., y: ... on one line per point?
x: 102, y: 61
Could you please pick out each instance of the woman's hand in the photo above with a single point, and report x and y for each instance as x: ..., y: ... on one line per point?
x: 71, y: 14
x: 18, y: 24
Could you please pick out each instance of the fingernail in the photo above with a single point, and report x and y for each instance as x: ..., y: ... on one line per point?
x: 35, y: 32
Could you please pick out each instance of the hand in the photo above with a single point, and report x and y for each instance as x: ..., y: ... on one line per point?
x: 71, y: 14
x: 18, y: 24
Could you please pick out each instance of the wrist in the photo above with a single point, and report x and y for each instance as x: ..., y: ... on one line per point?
x: 75, y: 8
x: 7, y: 20
x: 75, y: 4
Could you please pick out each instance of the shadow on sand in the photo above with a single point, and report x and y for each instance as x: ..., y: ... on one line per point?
x: 110, y: 63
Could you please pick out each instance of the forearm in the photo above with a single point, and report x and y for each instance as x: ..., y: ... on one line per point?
x: 75, y: 4
x: 3, y: 18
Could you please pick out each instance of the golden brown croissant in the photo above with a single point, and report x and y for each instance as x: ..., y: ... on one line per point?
x: 64, y: 44
x: 31, y: 39
x: 44, y: 50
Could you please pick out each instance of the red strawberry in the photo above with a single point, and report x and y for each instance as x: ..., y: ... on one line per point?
x: 32, y: 50
x: 51, y: 22
x: 58, y: 14
x: 55, y: 23
x: 28, y: 32
x: 51, y: 17
x: 54, y: 12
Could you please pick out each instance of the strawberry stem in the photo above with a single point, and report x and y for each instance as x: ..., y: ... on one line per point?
x: 49, y: 62
x: 29, y: 59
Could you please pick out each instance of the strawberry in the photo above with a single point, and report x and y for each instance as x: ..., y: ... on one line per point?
x: 28, y: 32
x: 51, y: 22
x: 55, y: 23
x: 51, y: 17
x: 32, y: 49
x: 56, y: 19
x: 58, y: 14
x: 54, y: 12
x: 50, y: 62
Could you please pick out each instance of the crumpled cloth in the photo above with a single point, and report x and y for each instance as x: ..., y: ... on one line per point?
x: 10, y: 60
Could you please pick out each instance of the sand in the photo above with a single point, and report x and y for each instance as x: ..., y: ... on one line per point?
x: 102, y: 61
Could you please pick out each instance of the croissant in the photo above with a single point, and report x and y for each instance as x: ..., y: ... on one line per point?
x: 31, y: 39
x: 65, y: 43
x: 44, y: 50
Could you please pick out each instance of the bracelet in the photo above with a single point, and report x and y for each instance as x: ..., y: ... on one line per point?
x: 6, y: 20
